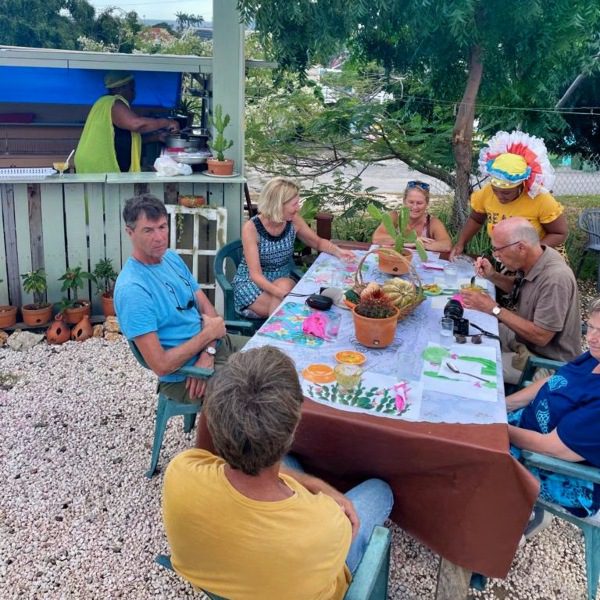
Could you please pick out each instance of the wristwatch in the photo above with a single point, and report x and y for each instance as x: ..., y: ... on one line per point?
x: 210, y: 350
x: 496, y: 311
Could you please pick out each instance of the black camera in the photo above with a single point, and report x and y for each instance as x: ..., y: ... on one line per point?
x: 454, y: 310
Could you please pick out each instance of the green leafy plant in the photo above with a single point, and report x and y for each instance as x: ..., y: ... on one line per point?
x: 401, y: 233
x: 35, y: 283
x: 73, y: 280
x: 65, y: 304
x: 375, y: 305
x: 105, y: 276
x: 220, y: 143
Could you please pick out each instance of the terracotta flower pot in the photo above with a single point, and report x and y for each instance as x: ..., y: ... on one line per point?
x: 83, y: 330
x: 108, y: 305
x: 75, y: 314
x: 191, y: 201
x: 59, y: 332
x: 220, y: 167
x: 375, y: 333
x: 394, y: 265
x: 35, y: 314
x: 8, y: 316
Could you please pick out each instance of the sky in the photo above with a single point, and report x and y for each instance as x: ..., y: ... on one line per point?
x: 160, y: 9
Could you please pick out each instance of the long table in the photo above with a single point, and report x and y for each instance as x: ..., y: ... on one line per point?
x: 456, y: 487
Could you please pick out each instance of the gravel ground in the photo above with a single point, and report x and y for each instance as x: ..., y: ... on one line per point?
x: 78, y: 518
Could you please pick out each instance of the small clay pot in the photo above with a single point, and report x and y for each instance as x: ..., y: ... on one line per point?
x: 394, y: 265
x: 375, y: 333
x: 76, y: 313
x: 219, y: 167
x: 8, y: 316
x: 108, y: 305
x: 191, y: 201
x: 36, y: 315
x: 83, y: 330
x: 59, y: 332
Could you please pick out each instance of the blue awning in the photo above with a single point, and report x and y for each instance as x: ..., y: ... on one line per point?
x: 83, y: 86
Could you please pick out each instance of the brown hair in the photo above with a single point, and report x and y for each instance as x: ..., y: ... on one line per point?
x: 252, y: 407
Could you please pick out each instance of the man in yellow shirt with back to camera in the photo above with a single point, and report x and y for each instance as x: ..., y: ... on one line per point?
x: 247, y: 523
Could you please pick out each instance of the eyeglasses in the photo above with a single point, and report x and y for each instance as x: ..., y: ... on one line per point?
x: 417, y: 184
x: 499, y: 248
x: 191, y: 303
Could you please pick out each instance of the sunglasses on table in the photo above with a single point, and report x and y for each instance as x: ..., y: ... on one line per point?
x: 417, y: 184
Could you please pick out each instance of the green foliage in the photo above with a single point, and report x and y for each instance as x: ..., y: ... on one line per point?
x: 105, y: 275
x: 219, y: 122
x: 401, y: 233
x: 34, y: 283
x: 73, y: 280
x: 64, y: 304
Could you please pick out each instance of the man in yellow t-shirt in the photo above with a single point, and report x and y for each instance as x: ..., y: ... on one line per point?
x: 508, y: 195
x: 243, y: 526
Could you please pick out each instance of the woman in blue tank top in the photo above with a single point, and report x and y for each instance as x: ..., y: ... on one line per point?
x: 263, y: 276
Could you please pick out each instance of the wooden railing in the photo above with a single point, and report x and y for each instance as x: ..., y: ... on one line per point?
x: 61, y: 222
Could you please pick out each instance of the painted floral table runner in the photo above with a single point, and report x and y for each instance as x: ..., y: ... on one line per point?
x: 432, y: 393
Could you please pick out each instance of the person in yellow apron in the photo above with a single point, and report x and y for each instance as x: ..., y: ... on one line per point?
x: 111, y: 140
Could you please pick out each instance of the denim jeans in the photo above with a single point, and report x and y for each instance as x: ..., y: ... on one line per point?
x: 373, y: 500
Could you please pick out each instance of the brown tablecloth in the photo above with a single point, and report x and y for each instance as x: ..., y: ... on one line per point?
x: 456, y: 487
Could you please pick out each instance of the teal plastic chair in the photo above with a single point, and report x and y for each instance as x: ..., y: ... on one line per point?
x: 589, y: 526
x: 231, y: 254
x: 370, y: 582
x: 167, y: 408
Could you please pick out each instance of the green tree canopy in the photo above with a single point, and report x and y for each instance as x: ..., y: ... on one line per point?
x: 502, y: 62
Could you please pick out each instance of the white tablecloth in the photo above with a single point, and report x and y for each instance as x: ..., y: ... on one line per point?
x: 413, y: 334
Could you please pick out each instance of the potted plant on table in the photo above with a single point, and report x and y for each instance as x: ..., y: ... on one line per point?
x: 8, y: 314
x: 220, y: 165
x: 401, y: 234
x: 40, y: 311
x: 105, y: 276
x: 375, y: 318
x: 73, y: 280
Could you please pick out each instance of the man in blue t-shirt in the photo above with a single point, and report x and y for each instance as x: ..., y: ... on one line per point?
x: 161, y: 307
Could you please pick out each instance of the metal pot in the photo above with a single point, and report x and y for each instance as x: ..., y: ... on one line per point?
x: 180, y: 143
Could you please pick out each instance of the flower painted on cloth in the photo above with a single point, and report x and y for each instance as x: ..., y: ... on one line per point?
x: 400, y: 390
x: 274, y: 327
x: 556, y: 382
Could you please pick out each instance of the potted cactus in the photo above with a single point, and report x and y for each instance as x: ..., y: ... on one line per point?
x: 375, y: 318
x: 40, y: 311
x: 105, y: 276
x: 401, y: 234
x: 218, y: 164
x: 73, y: 308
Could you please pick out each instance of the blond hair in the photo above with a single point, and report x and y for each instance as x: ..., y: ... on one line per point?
x: 274, y: 195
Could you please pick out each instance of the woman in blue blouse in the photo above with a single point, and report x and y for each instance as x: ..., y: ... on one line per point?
x: 560, y: 416
x: 262, y: 279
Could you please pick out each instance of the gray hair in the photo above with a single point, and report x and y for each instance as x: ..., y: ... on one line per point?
x: 274, y: 195
x: 252, y: 408
x: 594, y: 306
x: 519, y: 229
x: 148, y: 204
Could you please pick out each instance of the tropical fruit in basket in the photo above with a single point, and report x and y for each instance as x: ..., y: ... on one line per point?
x: 402, y: 293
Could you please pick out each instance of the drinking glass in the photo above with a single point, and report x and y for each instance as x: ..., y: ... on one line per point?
x: 407, y: 362
x: 347, y: 376
x: 451, y: 276
x: 61, y: 167
x: 446, y: 332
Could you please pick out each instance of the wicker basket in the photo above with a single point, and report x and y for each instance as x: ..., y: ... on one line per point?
x: 413, y: 277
